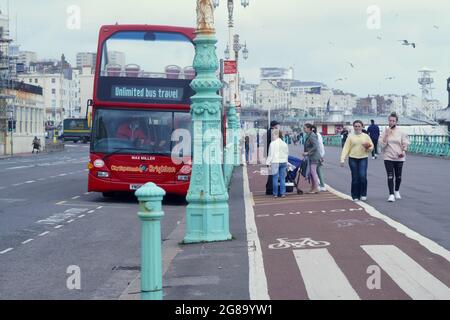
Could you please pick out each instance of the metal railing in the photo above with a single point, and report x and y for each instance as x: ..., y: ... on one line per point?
x: 433, y: 145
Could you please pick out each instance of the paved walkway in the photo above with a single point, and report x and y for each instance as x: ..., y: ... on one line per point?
x: 325, y: 246
x: 320, y: 246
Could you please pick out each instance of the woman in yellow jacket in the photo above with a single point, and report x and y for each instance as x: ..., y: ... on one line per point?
x: 357, y: 148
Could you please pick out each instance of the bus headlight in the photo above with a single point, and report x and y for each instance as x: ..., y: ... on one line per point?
x: 99, y: 163
x: 103, y: 174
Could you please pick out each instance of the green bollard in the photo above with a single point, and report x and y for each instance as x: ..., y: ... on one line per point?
x: 150, y: 212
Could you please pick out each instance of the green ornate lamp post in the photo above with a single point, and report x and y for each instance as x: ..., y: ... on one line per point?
x: 207, y: 215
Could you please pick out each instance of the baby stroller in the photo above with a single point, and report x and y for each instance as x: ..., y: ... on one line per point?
x: 293, y: 176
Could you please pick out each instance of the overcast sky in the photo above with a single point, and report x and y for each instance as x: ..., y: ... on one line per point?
x: 317, y: 37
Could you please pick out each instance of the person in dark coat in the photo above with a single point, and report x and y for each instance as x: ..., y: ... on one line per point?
x: 273, y: 125
x: 344, y: 134
x: 374, y: 134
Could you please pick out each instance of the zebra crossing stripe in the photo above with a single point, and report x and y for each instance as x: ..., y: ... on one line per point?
x: 323, y: 278
x: 412, y: 278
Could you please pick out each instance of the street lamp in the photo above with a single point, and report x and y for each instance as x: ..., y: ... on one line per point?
x: 227, y: 53
x: 207, y: 214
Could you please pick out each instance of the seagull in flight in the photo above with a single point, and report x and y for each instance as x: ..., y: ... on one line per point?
x: 340, y: 79
x: 390, y: 78
x: 351, y: 64
x: 407, y: 43
x: 331, y: 43
x: 379, y: 37
x: 435, y: 26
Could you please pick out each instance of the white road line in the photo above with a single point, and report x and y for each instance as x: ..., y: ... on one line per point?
x: 82, y: 216
x: 92, y: 211
x: 323, y: 278
x: 70, y: 221
x: 6, y: 251
x: 17, y: 184
x: 60, y: 203
x: 41, y: 179
x: 76, y: 197
x: 28, y: 182
x: 27, y: 241
x: 98, y: 208
x: 87, y: 193
x: 44, y: 233
x: 52, y: 177
x: 62, y: 175
x: 58, y: 227
x: 427, y: 243
x: 257, y: 275
x: 1, y: 188
x: 411, y: 277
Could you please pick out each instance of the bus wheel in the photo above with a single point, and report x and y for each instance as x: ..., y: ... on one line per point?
x: 108, y: 194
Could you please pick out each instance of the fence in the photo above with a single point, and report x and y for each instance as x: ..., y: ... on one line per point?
x: 438, y: 146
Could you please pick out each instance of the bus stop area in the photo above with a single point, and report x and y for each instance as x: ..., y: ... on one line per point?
x: 310, y: 246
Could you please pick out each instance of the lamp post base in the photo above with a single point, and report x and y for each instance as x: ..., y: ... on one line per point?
x: 207, y: 222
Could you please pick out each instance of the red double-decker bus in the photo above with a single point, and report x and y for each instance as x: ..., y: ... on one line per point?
x: 141, y: 109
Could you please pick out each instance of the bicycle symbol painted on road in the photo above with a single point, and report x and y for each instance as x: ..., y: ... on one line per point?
x: 301, y: 243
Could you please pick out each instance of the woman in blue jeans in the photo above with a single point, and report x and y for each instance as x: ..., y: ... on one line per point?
x: 357, y: 148
x: 277, y: 159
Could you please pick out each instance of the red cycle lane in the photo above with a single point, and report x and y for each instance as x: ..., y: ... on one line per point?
x: 321, y: 246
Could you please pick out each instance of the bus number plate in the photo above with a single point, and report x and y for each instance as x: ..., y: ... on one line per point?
x: 135, y: 186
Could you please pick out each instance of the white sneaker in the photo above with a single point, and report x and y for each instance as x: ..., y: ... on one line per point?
x: 373, y: 158
x: 322, y: 189
x: 397, y: 195
x: 391, y: 198
x: 363, y: 198
x: 355, y: 200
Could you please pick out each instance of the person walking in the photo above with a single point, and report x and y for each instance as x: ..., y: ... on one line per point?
x: 394, y: 144
x: 357, y: 148
x: 274, y: 125
x: 374, y: 134
x: 247, y: 148
x: 312, y: 154
x: 321, y: 161
x: 36, y: 144
x: 344, y: 134
x: 277, y: 160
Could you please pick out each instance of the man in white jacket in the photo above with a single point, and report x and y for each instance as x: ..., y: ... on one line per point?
x: 278, y: 159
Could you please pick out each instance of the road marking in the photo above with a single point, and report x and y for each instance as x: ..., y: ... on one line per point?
x: 257, y: 275
x: 62, y: 202
x: 6, y: 251
x: 62, y: 175
x: 44, y: 233
x: 76, y: 197
x: 1, y: 188
x: 98, y: 208
x: 411, y: 277
x: 31, y: 181
x: 21, y: 167
x: 17, y: 184
x: 82, y: 216
x: 27, y: 241
x: 58, y: 227
x: 92, y: 211
x: 41, y: 179
x: 12, y: 200
x: 427, y: 243
x: 323, y: 278
x: 52, y: 177
x: 70, y: 221
x: 87, y: 193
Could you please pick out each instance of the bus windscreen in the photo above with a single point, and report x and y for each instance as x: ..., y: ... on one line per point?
x: 137, y: 131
